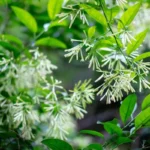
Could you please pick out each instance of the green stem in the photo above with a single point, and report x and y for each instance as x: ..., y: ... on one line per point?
x: 111, y: 30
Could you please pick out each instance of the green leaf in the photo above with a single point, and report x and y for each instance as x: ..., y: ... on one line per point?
x: 57, y: 23
x: 123, y: 140
x: 112, y: 12
x: 129, y: 15
x: 56, y: 144
x: 5, y: 133
x: 146, y: 102
x: 91, y: 132
x: 111, y: 128
x: 147, y: 124
x: 54, y: 7
x: 95, y: 14
x: 142, y: 56
x: 26, y: 18
x: 114, y: 121
x: 52, y: 42
x: 127, y: 107
x: 91, y: 31
x: 143, y: 118
x: 4, y: 2
x: 11, y: 48
x: 94, y: 146
x: 135, y: 43
x: 102, y: 43
x: 11, y: 38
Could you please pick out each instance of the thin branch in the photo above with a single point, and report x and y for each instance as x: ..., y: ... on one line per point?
x: 111, y: 30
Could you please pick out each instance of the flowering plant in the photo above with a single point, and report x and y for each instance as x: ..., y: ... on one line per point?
x: 114, y: 53
x: 34, y: 105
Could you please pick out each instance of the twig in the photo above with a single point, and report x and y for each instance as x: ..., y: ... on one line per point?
x: 111, y: 30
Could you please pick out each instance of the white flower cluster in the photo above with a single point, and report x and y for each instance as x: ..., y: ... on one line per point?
x: 107, y: 54
x: 31, y: 97
x: 114, y: 85
x: 82, y: 95
x: 73, y: 13
x: 121, y: 2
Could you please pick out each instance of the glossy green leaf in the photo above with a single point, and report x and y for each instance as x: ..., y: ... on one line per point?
x: 146, y: 102
x: 95, y: 14
x: 54, y: 7
x: 52, y: 42
x: 127, y: 107
x: 56, y: 144
x: 129, y: 15
x: 135, y: 43
x: 91, y: 132
x: 123, y: 140
x: 26, y: 18
x: 143, y: 118
x: 114, y: 121
x: 94, y: 146
x: 111, y: 128
x: 91, y: 31
x: 142, y: 56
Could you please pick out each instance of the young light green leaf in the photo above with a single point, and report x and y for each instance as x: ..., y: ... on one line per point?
x: 127, y: 107
x: 91, y: 132
x: 57, y: 23
x: 26, y: 18
x: 94, y: 146
x: 143, y: 118
x: 128, y: 16
x: 95, y: 14
x: 54, y: 7
x: 112, y: 12
x: 142, y: 56
x: 111, y: 128
x: 146, y: 102
x: 102, y: 43
x: 91, y: 31
x: 52, y: 42
x: 135, y: 43
x: 56, y: 144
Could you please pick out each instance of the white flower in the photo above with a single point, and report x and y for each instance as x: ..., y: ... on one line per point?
x: 115, y: 85
x: 82, y: 94
x: 121, y: 2
x: 143, y: 83
x: 46, y: 26
x: 127, y: 37
x: 75, y: 52
x: 93, y: 61
x: 73, y: 15
x: 53, y: 86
